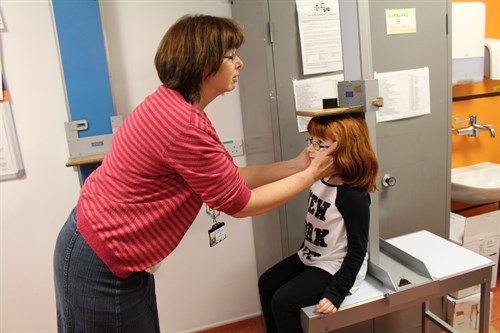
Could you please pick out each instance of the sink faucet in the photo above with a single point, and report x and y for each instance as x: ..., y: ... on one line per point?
x: 485, y: 127
x: 474, y: 128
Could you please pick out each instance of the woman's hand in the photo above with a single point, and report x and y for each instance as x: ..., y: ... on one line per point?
x: 323, y: 162
x: 302, y: 160
x: 325, y: 306
x: 274, y: 184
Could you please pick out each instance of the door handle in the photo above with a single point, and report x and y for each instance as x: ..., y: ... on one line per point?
x: 388, y: 180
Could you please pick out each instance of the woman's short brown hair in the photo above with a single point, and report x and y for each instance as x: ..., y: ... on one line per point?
x: 354, y: 159
x: 193, y: 49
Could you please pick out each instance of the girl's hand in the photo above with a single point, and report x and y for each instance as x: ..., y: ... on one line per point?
x: 325, y: 306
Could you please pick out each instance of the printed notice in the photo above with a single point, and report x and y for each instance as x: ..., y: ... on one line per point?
x: 7, y: 163
x: 309, y: 95
x: 406, y: 94
x: 400, y: 21
x: 2, y: 25
x: 1, y: 79
x: 10, y: 157
x: 320, y: 38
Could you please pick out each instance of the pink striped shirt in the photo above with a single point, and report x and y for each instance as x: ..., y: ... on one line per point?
x: 165, y: 160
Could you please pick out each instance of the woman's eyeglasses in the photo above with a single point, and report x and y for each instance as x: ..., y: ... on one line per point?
x: 231, y: 57
x: 316, y: 145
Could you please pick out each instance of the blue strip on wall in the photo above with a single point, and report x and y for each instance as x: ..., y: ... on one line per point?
x: 83, y: 55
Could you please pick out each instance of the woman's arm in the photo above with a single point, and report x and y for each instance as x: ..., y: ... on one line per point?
x: 271, y: 195
x: 259, y: 175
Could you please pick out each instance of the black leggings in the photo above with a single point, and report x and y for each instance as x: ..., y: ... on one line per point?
x: 287, y: 287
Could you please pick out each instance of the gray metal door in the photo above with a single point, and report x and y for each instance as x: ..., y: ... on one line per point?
x: 416, y: 151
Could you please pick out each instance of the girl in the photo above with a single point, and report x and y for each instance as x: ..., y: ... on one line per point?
x: 332, y: 260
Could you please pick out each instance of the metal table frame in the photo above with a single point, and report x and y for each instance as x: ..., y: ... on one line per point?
x: 453, y: 268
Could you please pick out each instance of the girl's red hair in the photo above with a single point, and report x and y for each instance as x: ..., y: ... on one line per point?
x: 355, y: 160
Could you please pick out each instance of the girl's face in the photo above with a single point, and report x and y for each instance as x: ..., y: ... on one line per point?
x: 317, y: 144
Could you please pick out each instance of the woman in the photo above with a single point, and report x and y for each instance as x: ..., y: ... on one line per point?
x: 332, y: 260
x: 165, y: 160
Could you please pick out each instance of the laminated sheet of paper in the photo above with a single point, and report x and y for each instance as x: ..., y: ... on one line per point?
x: 320, y: 37
x: 309, y: 95
x: 406, y: 94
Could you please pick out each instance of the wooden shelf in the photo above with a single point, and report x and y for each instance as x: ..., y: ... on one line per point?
x: 328, y: 112
x: 84, y: 160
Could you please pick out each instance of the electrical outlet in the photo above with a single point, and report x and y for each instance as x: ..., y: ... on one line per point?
x: 234, y: 147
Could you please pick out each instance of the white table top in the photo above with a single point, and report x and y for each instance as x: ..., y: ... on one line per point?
x: 443, y: 258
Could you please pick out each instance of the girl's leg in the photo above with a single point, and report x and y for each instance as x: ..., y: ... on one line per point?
x: 303, y: 290
x: 271, y: 280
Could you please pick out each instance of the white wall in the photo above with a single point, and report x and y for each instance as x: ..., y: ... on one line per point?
x: 197, y: 286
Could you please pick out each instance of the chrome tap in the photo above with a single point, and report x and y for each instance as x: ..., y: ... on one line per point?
x: 474, y: 128
x: 485, y: 127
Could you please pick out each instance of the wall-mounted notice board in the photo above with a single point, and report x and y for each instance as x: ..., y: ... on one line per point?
x: 11, y: 165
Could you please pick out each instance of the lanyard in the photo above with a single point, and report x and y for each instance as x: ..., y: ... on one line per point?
x: 212, y: 213
x: 216, y: 233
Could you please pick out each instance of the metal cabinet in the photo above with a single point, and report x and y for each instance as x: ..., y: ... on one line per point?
x: 416, y: 151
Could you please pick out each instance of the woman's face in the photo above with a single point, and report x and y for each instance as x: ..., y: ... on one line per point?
x: 226, y: 78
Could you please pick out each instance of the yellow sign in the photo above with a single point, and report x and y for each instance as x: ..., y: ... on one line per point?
x: 400, y: 21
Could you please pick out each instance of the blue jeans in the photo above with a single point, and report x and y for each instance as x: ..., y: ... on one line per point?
x: 90, y: 298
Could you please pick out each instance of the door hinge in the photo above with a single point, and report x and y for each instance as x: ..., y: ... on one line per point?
x: 270, y: 32
x: 447, y: 24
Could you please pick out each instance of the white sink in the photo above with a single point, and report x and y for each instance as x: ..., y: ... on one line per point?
x: 476, y: 184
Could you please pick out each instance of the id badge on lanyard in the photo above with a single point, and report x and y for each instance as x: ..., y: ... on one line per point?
x: 216, y: 233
